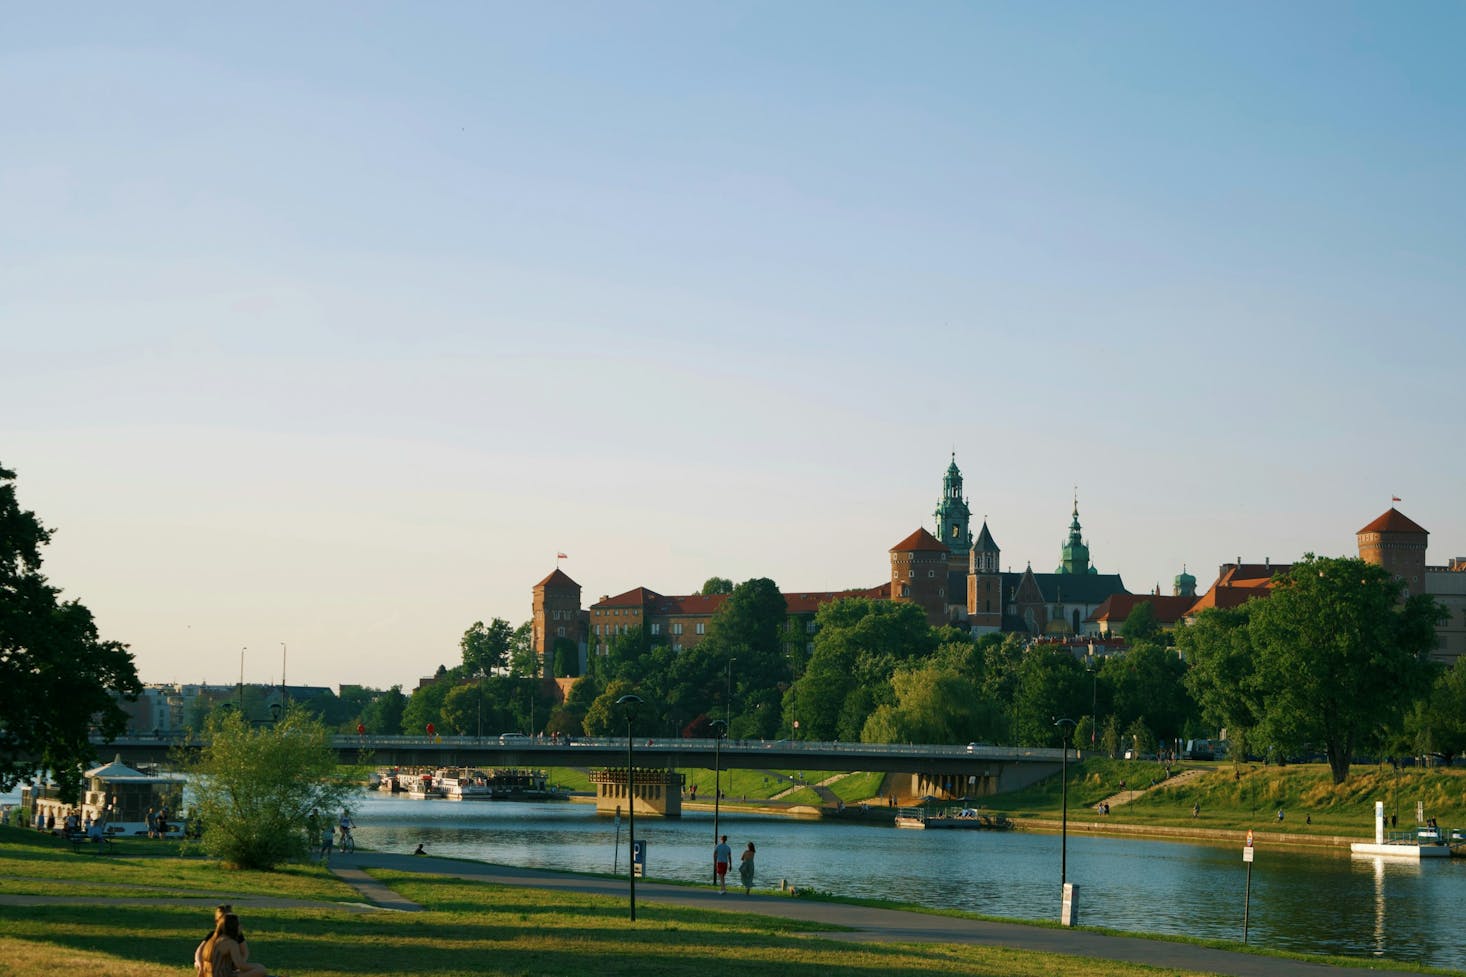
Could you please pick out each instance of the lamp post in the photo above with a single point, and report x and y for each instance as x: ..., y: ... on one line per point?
x: 1064, y: 818
x: 284, y: 691
x: 241, y: 678
x: 630, y: 702
x: 719, y: 728
x: 1093, y: 704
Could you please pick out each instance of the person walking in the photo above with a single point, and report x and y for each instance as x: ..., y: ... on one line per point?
x: 745, y: 869
x: 722, y: 858
x: 328, y: 838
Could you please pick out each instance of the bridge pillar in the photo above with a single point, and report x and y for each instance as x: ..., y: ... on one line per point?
x: 954, y: 786
x: 653, y: 791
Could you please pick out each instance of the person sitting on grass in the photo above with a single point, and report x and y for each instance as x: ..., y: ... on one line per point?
x: 225, y: 955
x: 198, y: 954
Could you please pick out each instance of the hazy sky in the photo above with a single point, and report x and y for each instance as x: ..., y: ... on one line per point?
x: 330, y: 324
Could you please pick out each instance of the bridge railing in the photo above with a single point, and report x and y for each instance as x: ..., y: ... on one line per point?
x: 810, y: 748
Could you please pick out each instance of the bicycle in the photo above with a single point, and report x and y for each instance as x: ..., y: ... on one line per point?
x: 347, y: 844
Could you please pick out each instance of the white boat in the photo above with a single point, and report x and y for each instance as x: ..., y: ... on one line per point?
x: 420, y: 785
x: 464, y: 785
x: 1423, y: 842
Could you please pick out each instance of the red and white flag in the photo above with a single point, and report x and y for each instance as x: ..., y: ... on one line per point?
x: 562, y: 556
x: 1394, y: 498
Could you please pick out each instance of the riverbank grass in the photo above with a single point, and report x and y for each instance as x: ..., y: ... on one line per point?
x: 473, y: 930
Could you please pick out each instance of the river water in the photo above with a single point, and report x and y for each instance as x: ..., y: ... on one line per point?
x: 1305, y: 901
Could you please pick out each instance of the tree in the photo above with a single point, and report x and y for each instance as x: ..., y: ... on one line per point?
x: 58, y: 678
x: 566, y: 658
x: 934, y: 704
x: 425, y: 706
x: 383, y: 715
x: 1437, y: 723
x: 256, y: 787
x: 1148, y: 682
x: 1338, y: 655
x: 1220, y: 674
x: 486, y: 646
x: 524, y: 661
x: 716, y: 585
x: 1140, y: 624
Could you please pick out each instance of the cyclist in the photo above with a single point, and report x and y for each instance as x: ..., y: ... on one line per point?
x: 347, y: 843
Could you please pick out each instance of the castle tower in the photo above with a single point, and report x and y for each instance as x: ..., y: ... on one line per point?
x: 1075, y: 554
x: 1185, y: 584
x: 954, y: 518
x: 919, y: 565
x: 984, y: 585
x: 1397, y: 543
x: 557, y: 615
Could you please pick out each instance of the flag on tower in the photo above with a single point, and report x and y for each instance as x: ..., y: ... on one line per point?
x: 1394, y: 498
x: 562, y: 556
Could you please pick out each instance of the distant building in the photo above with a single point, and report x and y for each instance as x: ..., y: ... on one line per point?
x: 1237, y: 583
x: 1398, y: 543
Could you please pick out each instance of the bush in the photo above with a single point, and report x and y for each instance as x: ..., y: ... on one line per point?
x: 256, y: 787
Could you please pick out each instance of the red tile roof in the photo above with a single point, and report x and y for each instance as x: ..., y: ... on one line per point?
x: 919, y: 541
x: 1395, y: 521
x: 1117, y: 607
x: 638, y: 597
x: 1239, y: 583
x: 558, y: 579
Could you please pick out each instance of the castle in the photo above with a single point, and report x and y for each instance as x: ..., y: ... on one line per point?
x: 955, y: 580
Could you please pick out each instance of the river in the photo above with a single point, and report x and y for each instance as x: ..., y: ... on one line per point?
x: 1313, y: 902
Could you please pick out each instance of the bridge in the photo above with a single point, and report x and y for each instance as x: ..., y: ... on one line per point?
x: 938, y: 770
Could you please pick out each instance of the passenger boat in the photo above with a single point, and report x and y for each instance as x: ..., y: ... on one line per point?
x: 464, y: 785
x: 958, y: 818
x: 420, y: 785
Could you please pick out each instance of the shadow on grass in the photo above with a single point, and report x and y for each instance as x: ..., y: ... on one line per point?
x: 671, y: 942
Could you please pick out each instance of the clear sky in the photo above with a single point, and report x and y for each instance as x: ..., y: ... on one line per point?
x: 330, y: 324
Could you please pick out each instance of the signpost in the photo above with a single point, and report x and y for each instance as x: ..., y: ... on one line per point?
x: 638, y: 858
x: 1247, y: 851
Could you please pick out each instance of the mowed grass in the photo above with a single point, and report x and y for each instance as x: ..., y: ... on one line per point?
x: 1248, y: 795
x: 32, y: 863
x: 475, y: 929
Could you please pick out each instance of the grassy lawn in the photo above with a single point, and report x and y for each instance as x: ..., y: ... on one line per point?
x: 475, y: 929
x: 1249, y: 795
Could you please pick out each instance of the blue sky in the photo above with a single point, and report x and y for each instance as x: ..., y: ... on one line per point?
x: 332, y: 324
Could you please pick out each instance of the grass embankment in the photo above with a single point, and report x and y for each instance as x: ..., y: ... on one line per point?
x: 468, y: 930
x: 751, y: 785
x: 1242, y: 796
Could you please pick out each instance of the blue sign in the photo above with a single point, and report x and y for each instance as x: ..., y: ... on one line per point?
x: 638, y: 858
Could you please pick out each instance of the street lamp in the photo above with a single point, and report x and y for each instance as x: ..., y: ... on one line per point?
x: 1064, y: 818
x: 241, y: 678
x: 1093, y: 704
x: 719, y: 728
x: 284, y: 691
x: 630, y: 702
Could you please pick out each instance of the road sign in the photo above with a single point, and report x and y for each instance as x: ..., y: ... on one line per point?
x: 1249, y: 837
x: 1247, y: 854
x: 638, y: 858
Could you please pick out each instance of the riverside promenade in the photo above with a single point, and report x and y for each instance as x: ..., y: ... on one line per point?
x: 854, y: 923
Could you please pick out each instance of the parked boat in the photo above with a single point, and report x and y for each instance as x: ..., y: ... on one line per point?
x: 958, y: 818
x: 420, y: 785
x: 464, y: 785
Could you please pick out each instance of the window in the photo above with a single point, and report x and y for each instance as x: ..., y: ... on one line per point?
x: 930, y: 574
x: 911, y: 572
x: 598, y: 630
x: 809, y: 626
x: 809, y: 648
x: 560, y: 632
x: 656, y: 627
x: 905, y: 590
x: 701, y: 628
x: 677, y: 628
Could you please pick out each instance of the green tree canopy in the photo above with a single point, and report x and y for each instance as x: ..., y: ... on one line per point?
x: 257, y: 786
x: 716, y: 585
x: 1141, y: 624
x: 486, y: 646
x: 58, y: 678
x: 935, y: 703
x: 1335, y: 656
x: 1437, y: 724
x: 383, y: 715
x: 1148, y: 683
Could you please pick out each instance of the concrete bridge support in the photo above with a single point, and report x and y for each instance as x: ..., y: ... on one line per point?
x: 653, y: 791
